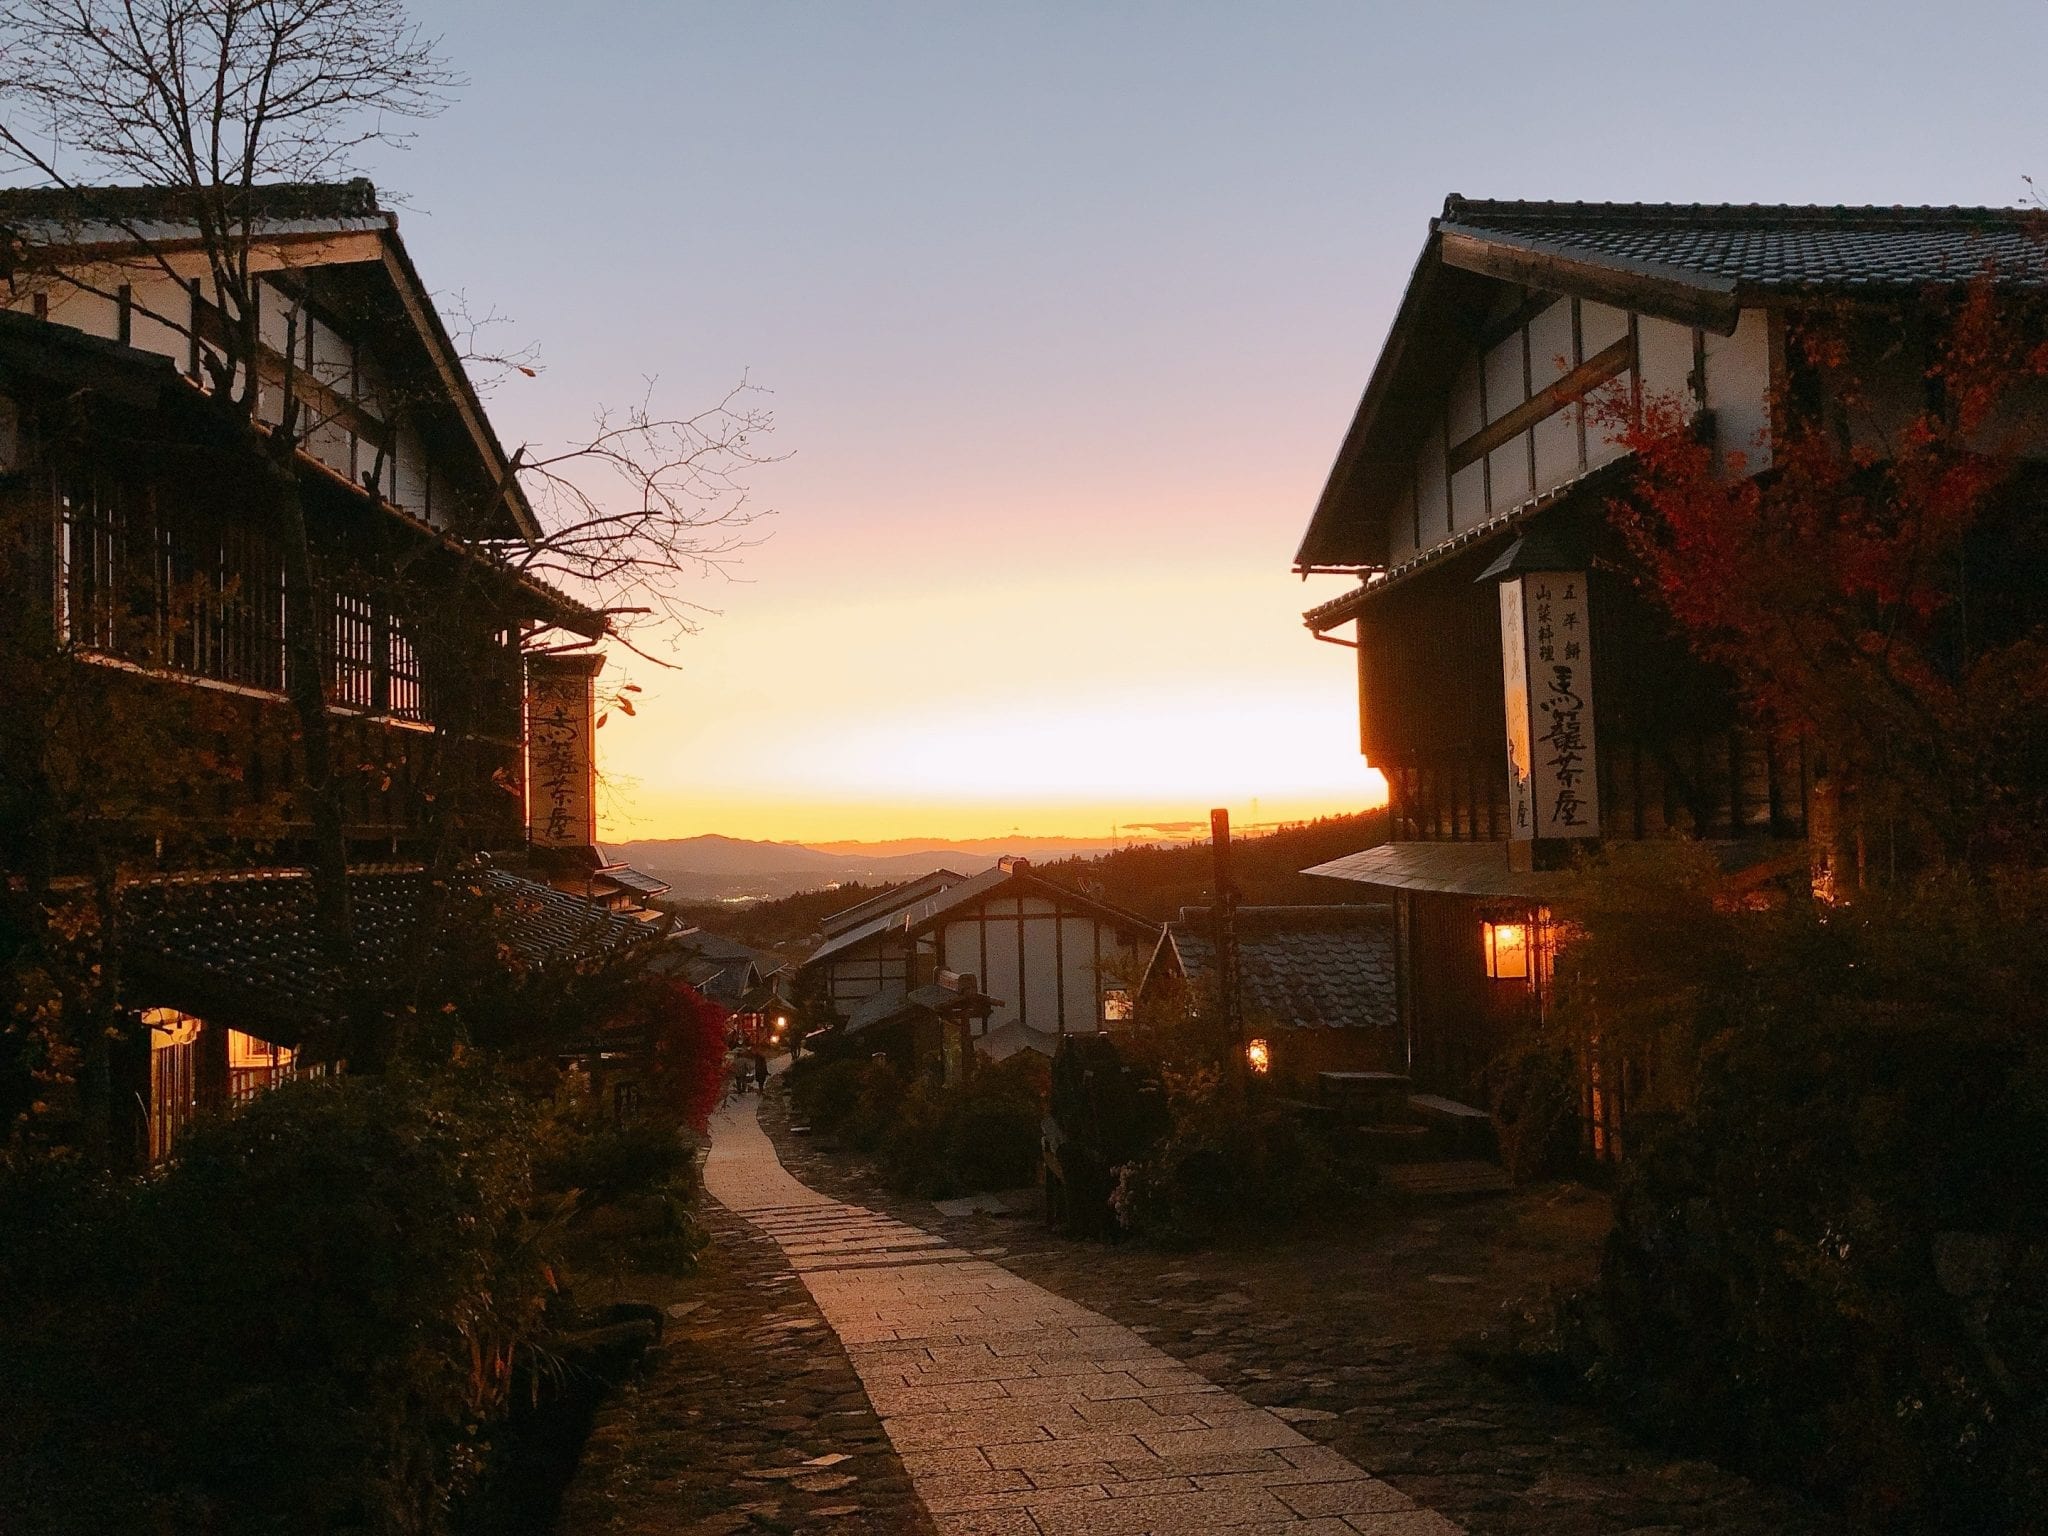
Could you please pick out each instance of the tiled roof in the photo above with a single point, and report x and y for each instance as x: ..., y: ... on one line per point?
x: 893, y: 900
x: 1303, y: 967
x: 1481, y: 868
x: 249, y: 942
x: 1767, y: 246
x: 92, y: 214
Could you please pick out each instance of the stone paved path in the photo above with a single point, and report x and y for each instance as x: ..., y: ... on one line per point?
x: 1020, y: 1413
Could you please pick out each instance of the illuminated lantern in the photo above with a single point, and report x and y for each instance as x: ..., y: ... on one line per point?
x: 1258, y: 1056
x: 1507, y: 950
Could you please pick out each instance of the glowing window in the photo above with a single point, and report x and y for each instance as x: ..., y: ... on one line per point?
x: 1507, y: 950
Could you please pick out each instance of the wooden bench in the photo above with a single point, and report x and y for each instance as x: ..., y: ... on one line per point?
x: 1467, y: 1129
x: 1372, y: 1096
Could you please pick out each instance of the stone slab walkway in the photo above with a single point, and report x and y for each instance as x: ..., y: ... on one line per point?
x: 1020, y: 1413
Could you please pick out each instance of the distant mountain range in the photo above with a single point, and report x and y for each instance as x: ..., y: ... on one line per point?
x: 717, y: 868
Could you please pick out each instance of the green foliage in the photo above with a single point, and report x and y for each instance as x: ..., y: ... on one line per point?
x: 995, y: 1124
x: 1233, y: 1162
x: 1536, y: 1112
x: 632, y: 1187
x: 927, y: 1138
x: 1830, y: 1255
x: 309, y: 1322
x: 823, y: 1092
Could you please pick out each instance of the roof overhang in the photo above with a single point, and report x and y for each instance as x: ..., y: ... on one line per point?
x: 107, y: 230
x: 1672, y: 293
x: 1438, y: 319
x: 1481, y: 869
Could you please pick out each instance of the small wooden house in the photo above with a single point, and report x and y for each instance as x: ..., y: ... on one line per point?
x: 1315, y: 984
x: 1058, y: 962
x: 1518, y: 693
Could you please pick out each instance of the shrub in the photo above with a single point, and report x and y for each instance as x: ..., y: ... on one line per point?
x: 824, y: 1091
x: 309, y: 1322
x: 911, y: 1149
x: 1232, y: 1161
x: 993, y: 1133
x: 1536, y: 1112
x: 633, y: 1185
x: 876, y: 1104
x: 1830, y: 1262
x: 932, y: 1139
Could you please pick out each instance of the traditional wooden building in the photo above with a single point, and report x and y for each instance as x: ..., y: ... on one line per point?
x: 1315, y: 984
x: 1520, y: 696
x: 1057, y: 962
x: 150, y: 592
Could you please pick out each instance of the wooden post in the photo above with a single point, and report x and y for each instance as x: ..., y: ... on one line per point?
x: 1223, y: 916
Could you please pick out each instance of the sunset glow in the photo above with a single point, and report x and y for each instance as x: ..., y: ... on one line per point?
x: 1058, y: 388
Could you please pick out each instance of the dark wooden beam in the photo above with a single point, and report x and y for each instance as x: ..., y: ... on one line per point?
x: 1574, y: 386
x: 1668, y: 294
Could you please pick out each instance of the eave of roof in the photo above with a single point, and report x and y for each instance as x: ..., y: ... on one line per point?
x: 933, y: 910
x: 87, y: 220
x: 1530, y: 243
x: 1349, y: 605
x: 887, y: 901
x: 1481, y: 868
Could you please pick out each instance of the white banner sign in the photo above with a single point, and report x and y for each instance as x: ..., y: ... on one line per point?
x: 1547, y: 668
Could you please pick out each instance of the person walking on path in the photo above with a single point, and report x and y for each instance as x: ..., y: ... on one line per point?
x: 760, y: 1072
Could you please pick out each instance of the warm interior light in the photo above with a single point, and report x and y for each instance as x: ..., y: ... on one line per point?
x: 1507, y: 951
x: 1258, y: 1056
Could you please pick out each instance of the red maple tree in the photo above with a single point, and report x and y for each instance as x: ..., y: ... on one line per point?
x: 687, y: 1032
x: 1877, y: 586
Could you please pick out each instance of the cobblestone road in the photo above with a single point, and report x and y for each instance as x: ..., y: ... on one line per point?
x: 1020, y: 1413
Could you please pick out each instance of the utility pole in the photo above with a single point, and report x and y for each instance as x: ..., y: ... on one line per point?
x: 1223, y: 919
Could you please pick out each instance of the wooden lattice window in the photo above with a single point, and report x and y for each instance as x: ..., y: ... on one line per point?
x: 352, y: 653
x: 173, y: 1076
x: 406, y: 692
x: 169, y: 588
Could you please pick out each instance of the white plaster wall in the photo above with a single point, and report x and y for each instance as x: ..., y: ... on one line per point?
x: 160, y: 317
x: 1432, y: 488
x: 1082, y: 985
x: 1664, y: 353
x: 1739, y: 389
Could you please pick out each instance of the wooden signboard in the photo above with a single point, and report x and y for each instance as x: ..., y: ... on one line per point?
x: 562, y: 765
x: 1547, y: 669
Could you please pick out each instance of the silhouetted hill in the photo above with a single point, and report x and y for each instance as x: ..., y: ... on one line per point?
x: 713, y: 867
x: 1156, y: 881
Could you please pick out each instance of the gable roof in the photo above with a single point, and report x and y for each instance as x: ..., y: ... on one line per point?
x: 102, y: 222
x: 1696, y: 263
x: 1018, y: 873
x: 923, y: 915
x: 1303, y: 967
x: 1754, y: 251
x: 893, y: 900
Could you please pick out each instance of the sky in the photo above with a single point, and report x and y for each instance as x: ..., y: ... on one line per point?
x: 1063, y: 309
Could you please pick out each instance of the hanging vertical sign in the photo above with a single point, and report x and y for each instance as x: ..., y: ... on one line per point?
x: 1547, y: 669
x: 1514, y: 672
x: 561, y: 765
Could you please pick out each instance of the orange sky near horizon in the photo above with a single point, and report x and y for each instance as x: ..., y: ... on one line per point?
x: 1069, y: 706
